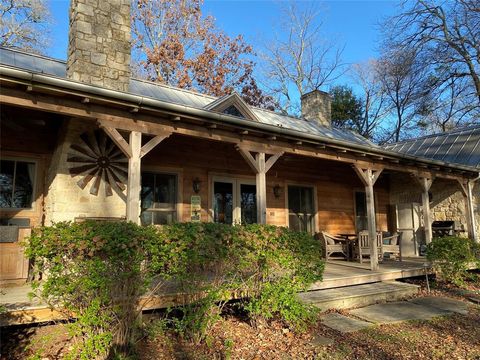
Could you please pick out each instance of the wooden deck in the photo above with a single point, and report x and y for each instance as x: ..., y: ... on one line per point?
x: 22, y: 310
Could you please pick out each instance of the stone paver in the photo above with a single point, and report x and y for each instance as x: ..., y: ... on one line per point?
x: 443, y: 303
x: 397, y: 311
x: 319, y: 340
x: 342, y: 323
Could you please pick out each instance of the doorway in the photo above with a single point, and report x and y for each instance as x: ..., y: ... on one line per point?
x: 234, y: 201
x: 409, y: 224
x: 301, y: 208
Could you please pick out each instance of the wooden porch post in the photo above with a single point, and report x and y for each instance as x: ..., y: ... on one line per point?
x: 369, y: 176
x: 467, y: 190
x: 134, y: 152
x: 426, y: 183
x: 260, y: 167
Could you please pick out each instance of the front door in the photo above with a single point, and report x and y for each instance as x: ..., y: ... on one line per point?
x: 234, y: 201
x: 301, y: 209
x: 409, y: 224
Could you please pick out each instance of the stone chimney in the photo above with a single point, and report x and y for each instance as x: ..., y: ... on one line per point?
x: 99, y: 43
x: 316, y: 106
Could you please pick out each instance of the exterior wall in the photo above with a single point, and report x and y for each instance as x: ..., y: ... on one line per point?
x: 335, y: 183
x: 65, y: 200
x: 447, y: 202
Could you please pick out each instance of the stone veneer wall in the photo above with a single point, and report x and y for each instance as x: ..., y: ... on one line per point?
x: 316, y: 106
x: 448, y: 202
x: 65, y: 200
x: 99, y: 43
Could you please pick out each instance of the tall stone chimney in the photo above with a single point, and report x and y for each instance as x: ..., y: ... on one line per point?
x: 99, y: 43
x: 316, y: 106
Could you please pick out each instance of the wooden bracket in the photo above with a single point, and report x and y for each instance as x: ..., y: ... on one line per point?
x: 118, y: 139
x: 152, y: 143
x: 368, y: 176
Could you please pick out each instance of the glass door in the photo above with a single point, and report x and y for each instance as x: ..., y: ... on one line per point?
x: 223, y: 202
x: 248, y: 203
x: 301, y: 209
x: 234, y: 201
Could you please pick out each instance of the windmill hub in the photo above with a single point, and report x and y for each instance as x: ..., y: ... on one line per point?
x: 103, y: 162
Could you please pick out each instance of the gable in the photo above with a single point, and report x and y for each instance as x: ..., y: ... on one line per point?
x: 233, y: 105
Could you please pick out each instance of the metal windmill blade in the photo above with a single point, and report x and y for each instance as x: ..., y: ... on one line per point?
x: 95, y: 158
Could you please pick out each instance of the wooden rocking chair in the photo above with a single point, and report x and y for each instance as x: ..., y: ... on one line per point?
x: 332, y: 244
x: 363, y: 246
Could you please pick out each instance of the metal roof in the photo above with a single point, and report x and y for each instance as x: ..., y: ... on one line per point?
x: 461, y: 146
x: 48, y: 66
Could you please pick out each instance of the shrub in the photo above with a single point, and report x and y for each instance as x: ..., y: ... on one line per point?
x: 99, y: 271
x: 451, y: 256
x: 95, y: 271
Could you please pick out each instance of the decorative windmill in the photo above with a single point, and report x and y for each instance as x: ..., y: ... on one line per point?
x: 96, y: 157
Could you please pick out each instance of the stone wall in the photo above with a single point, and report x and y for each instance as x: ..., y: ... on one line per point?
x: 65, y: 200
x: 447, y: 200
x: 99, y: 43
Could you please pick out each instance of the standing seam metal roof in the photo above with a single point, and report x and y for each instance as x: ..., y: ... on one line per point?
x: 54, y: 67
x: 460, y: 146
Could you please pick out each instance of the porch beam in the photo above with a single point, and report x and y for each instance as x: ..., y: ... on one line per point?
x: 425, y: 184
x: 152, y: 125
x: 467, y: 191
x: 149, y: 146
x: 118, y: 139
x: 369, y: 176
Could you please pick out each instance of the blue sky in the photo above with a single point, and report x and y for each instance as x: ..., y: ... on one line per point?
x: 352, y: 23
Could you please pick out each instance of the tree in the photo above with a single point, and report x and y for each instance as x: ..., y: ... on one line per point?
x: 177, y: 46
x: 446, y: 35
x: 404, y: 80
x: 299, y: 60
x: 376, y: 108
x: 23, y: 24
x: 346, y: 108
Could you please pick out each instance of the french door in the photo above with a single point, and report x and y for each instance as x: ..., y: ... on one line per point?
x: 234, y: 201
x: 301, y: 208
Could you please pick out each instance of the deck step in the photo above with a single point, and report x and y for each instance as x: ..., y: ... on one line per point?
x: 358, y: 295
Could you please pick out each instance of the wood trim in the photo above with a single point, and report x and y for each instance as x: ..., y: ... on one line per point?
x: 118, y: 139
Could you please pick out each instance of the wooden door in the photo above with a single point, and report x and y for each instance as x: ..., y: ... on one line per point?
x: 13, y: 263
x: 408, y: 223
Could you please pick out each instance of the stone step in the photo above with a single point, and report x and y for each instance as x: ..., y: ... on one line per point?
x: 358, y: 295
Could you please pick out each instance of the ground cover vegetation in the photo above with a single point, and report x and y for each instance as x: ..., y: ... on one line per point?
x: 103, y: 273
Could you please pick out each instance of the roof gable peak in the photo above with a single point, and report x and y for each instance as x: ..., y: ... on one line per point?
x: 232, y: 104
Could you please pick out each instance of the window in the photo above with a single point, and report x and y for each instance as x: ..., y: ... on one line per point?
x: 158, y: 199
x: 232, y: 110
x: 17, y: 179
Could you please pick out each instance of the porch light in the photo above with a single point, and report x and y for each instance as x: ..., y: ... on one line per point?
x: 277, y: 191
x: 196, y: 185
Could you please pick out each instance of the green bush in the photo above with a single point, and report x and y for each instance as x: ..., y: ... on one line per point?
x: 99, y: 271
x: 451, y: 256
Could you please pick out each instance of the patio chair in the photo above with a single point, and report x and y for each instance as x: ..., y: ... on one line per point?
x: 392, y: 245
x: 363, y: 246
x: 332, y: 244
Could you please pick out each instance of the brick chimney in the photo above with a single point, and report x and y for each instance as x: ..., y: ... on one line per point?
x: 99, y: 43
x: 316, y: 106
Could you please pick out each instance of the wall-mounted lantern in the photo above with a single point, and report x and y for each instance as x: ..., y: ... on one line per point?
x: 196, y: 185
x: 277, y: 191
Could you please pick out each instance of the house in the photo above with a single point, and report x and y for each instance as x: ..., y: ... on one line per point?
x: 83, y: 139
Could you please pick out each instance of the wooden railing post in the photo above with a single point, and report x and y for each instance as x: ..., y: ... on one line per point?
x: 369, y: 176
